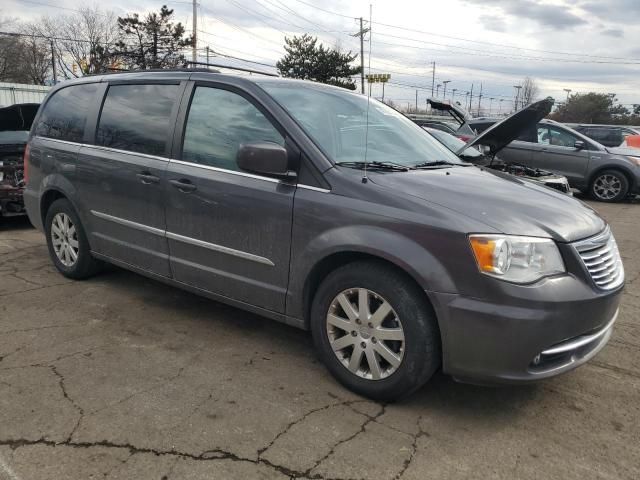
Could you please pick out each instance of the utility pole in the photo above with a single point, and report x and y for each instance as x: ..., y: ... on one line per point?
x: 433, y: 78
x: 207, y: 47
x: 438, y: 89
x: 453, y: 95
x: 490, y: 102
x: 361, y: 35
x: 500, y: 106
x: 53, y: 64
x: 416, y: 100
x: 479, y: 98
x: 194, y: 54
x: 471, y: 98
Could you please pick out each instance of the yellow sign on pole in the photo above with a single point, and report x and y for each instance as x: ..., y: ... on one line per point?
x: 378, y: 77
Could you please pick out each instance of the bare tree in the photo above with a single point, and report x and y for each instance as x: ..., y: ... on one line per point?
x: 530, y: 91
x: 35, y: 57
x: 85, y: 39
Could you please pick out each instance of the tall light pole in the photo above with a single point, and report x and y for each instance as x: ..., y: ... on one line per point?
x: 438, y: 89
x: 515, y: 103
x: 453, y: 95
x: 444, y: 93
x: 490, y: 102
x: 194, y: 53
x: 568, y: 90
x: 500, y: 106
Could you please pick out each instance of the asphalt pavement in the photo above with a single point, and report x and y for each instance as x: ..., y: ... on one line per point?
x: 121, y: 377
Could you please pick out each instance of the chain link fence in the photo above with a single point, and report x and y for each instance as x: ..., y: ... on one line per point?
x: 11, y: 93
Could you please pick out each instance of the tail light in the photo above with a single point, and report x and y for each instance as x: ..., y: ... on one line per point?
x: 25, y: 173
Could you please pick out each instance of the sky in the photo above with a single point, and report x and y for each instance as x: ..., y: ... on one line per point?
x: 581, y: 45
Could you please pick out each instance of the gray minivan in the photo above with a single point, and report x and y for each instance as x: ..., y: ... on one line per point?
x: 277, y: 196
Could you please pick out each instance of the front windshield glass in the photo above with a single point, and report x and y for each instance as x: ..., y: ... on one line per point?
x: 336, y: 120
x: 454, y: 143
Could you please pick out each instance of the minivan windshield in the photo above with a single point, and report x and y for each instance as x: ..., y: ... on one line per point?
x: 336, y: 120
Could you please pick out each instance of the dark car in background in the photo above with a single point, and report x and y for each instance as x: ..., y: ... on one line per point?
x: 327, y: 210
x: 15, y: 123
x: 607, y: 135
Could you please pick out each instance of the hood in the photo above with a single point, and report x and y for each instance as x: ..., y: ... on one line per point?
x: 628, y: 151
x: 500, y: 201
x: 458, y: 113
x: 18, y: 117
x: 503, y: 133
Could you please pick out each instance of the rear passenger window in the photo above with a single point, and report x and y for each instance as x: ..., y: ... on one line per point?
x: 137, y: 118
x: 218, y: 122
x: 65, y: 113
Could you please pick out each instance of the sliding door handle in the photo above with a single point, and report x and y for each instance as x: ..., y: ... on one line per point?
x: 147, y: 178
x: 185, y: 186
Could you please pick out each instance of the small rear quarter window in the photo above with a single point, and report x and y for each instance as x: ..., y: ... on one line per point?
x: 65, y: 114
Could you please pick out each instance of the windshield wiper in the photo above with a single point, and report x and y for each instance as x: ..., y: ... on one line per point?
x: 394, y: 167
x: 438, y: 163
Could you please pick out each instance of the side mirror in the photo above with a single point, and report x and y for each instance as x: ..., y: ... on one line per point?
x: 264, y: 158
x: 579, y: 145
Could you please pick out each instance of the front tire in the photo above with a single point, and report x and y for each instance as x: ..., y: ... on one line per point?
x: 68, y: 246
x: 609, y: 186
x: 375, y: 330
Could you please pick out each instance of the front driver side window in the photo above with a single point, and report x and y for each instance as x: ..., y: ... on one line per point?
x: 560, y: 138
x: 219, y: 122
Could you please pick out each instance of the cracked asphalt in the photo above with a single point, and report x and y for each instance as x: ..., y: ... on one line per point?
x: 120, y: 377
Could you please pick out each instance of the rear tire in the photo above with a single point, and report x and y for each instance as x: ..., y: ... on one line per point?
x: 382, y: 356
x: 609, y: 186
x: 67, y: 242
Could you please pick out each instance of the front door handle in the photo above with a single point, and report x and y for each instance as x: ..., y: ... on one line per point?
x: 147, y: 178
x: 185, y: 186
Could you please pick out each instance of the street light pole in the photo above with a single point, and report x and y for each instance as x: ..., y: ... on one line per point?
x: 568, y: 90
x: 490, y: 102
x: 438, y: 90
x: 515, y: 103
x: 444, y: 93
x: 453, y: 95
x: 500, y: 106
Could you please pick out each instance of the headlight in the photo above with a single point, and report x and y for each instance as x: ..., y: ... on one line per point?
x: 516, y: 259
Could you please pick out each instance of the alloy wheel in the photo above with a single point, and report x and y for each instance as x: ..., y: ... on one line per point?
x: 64, y: 239
x: 607, y: 187
x: 365, y: 333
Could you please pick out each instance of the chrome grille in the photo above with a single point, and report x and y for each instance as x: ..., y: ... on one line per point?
x: 601, y: 257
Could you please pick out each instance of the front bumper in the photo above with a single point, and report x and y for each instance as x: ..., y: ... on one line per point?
x: 523, y: 341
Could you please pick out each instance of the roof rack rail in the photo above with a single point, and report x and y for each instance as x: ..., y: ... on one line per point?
x: 177, y: 69
x: 241, y: 69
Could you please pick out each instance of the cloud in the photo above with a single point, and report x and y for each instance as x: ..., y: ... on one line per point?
x: 554, y: 16
x: 613, y: 32
x: 625, y: 11
x: 493, y: 23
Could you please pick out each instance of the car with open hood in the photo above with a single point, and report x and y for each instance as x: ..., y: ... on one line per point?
x: 329, y: 211
x: 496, y: 138
x: 15, y: 123
x: 607, y: 174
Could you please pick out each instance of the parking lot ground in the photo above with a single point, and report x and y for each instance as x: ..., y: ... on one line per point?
x: 120, y: 377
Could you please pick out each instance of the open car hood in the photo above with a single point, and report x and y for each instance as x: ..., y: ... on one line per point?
x: 458, y: 113
x: 18, y: 117
x: 503, y: 133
